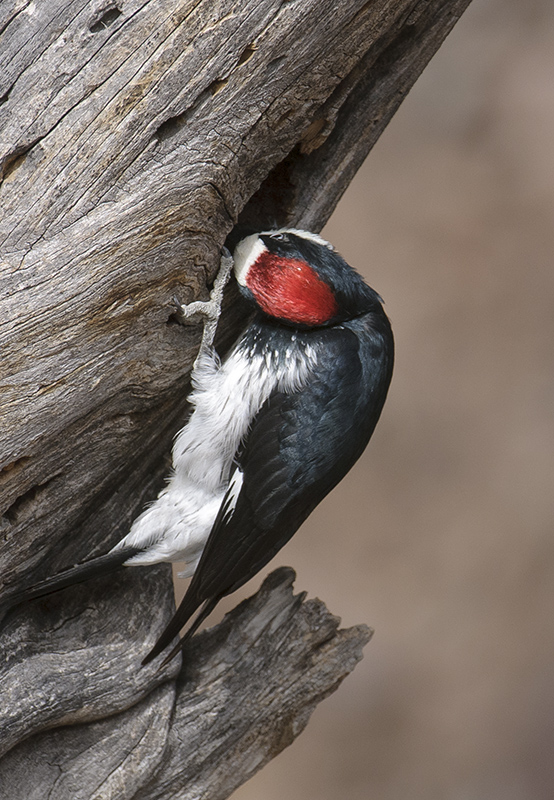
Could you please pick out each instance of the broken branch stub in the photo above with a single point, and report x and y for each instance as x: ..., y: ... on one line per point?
x: 246, y: 690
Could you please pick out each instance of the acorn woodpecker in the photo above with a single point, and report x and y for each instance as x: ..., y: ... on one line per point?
x: 274, y: 427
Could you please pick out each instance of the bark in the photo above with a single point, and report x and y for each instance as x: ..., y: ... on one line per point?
x: 134, y: 136
x: 246, y: 690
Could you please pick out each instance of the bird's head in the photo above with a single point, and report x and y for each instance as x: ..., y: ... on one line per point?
x: 299, y: 279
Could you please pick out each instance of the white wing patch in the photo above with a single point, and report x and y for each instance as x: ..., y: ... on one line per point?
x: 233, y: 491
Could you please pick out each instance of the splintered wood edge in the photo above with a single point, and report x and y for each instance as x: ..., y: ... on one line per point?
x: 246, y: 690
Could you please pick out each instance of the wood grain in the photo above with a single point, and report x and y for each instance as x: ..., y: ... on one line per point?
x: 134, y: 136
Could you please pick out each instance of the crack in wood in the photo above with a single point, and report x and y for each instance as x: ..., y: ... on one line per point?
x: 223, y: 199
x: 246, y: 54
x: 27, y: 500
x: 16, y: 13
x: 172, y: 126
x: 13, y: 160
x: 107, y: 18
x: 217, y: 85
x: 14, y: 466
x: 274, y: 64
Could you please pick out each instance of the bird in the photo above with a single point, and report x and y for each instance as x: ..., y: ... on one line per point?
x: 274, y: 426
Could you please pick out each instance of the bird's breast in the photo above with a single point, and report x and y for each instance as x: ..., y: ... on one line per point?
x: 227, y: 397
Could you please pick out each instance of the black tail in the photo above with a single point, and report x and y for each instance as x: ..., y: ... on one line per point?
x: 179, y: 619
x: 78, y: 574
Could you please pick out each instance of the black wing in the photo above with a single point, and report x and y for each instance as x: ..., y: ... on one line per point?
x: 299, y: 447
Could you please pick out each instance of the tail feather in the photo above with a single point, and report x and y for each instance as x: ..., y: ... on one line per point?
x: 81, y: 572
x: 180, y: 618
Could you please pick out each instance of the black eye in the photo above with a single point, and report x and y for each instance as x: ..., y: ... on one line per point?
x: 279, y: 237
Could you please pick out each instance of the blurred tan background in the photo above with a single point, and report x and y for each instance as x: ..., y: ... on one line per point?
x: 442, y: 536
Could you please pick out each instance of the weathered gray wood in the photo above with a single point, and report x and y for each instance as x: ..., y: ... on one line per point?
x: 111, y: 759
x: 247, y: 689
x: 61, y: 668
x: 133, y: 135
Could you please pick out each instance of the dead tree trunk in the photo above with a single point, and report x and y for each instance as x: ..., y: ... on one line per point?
x: 134, y: 135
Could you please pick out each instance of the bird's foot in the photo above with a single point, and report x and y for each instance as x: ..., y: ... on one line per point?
x: 208, y: 311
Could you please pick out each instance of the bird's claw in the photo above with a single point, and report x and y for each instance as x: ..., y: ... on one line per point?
x: 207, y: 311
x: 193, y: 313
